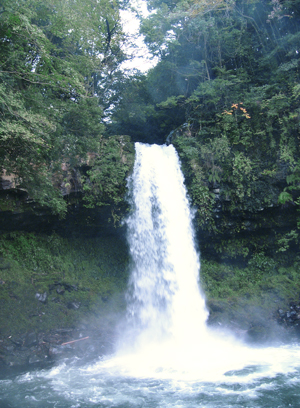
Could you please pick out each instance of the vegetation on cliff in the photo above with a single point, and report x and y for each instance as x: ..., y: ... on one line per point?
x: 225, y: 92
x: 226, y: 86
x: 49, y: 281
x: 57, y: 61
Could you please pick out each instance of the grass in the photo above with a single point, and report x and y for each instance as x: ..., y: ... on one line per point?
x: 251, y: 294
x: 89, y: 272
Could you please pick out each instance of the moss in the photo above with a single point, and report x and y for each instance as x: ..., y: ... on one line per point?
x: 86, y: 277
x: 249, y: 294
x: 86, y: 272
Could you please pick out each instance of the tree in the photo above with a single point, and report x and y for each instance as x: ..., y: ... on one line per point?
x: 232, y: 69
x: 54, y: 57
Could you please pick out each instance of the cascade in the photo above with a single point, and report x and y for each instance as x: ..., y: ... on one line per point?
x: 166, y: 329
x: 164, y: 302
x: 166, y: 334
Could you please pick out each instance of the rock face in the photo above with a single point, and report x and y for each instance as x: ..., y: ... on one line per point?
x: 290, y: 319
x: 41, y: 297
x: 46, y: 348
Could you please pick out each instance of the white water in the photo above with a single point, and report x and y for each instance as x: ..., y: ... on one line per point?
x: 166, y: 357
x: 167, y: 336
x: 165, y: 302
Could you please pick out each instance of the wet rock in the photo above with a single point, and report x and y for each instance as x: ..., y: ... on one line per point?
x: 216, y: 306
x: 61, y: 287
x: 48, y: 347
x: 37, y: 358
x: 70, y: 288
x: 290, y: 319
x: 60, y: 290
x: 74, y: 305
x: 91, y: 349
x: 293, y: 314
x: 18, y: 340
x: 60, y: 350
x: 41, y: 297
x: 30, y: 340
x: 257, y: 334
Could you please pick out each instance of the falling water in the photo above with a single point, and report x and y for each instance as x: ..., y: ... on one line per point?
x: 166, y: 356
x: 166, y: 334
x: 165, y: 302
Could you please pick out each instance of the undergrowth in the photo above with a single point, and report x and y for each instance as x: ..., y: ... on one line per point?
x: 251, y: 293
x: 84, y: 278
x: 79, y: 276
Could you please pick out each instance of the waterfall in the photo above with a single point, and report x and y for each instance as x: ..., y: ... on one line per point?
x: 167, y: 357
x: 164, y: 300
x: 166, y: 336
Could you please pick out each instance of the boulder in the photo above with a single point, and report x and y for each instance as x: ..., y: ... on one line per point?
x: 41, y: 297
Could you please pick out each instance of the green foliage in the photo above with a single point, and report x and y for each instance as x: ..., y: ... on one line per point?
x: 214, y: 154
x: 232, y: 70
x: 284, y: 197
x: 106, y: 180
x: 296, y: 91
x: 285, y: 241
x: 247, y: 294
x: 233, y: 248
x: 56, y: 59
x: 260, y: 263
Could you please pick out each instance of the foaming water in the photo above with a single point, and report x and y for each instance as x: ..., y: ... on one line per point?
x: 166, y: 356
x: 267, y: 378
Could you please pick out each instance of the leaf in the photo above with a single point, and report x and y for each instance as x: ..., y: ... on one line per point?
x: 284, y: 197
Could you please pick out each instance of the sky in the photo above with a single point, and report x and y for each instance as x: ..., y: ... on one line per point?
x: 141, y: 59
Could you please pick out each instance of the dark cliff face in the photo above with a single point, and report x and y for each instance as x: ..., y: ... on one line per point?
x: 240, y: 234
x: 19, y: 213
